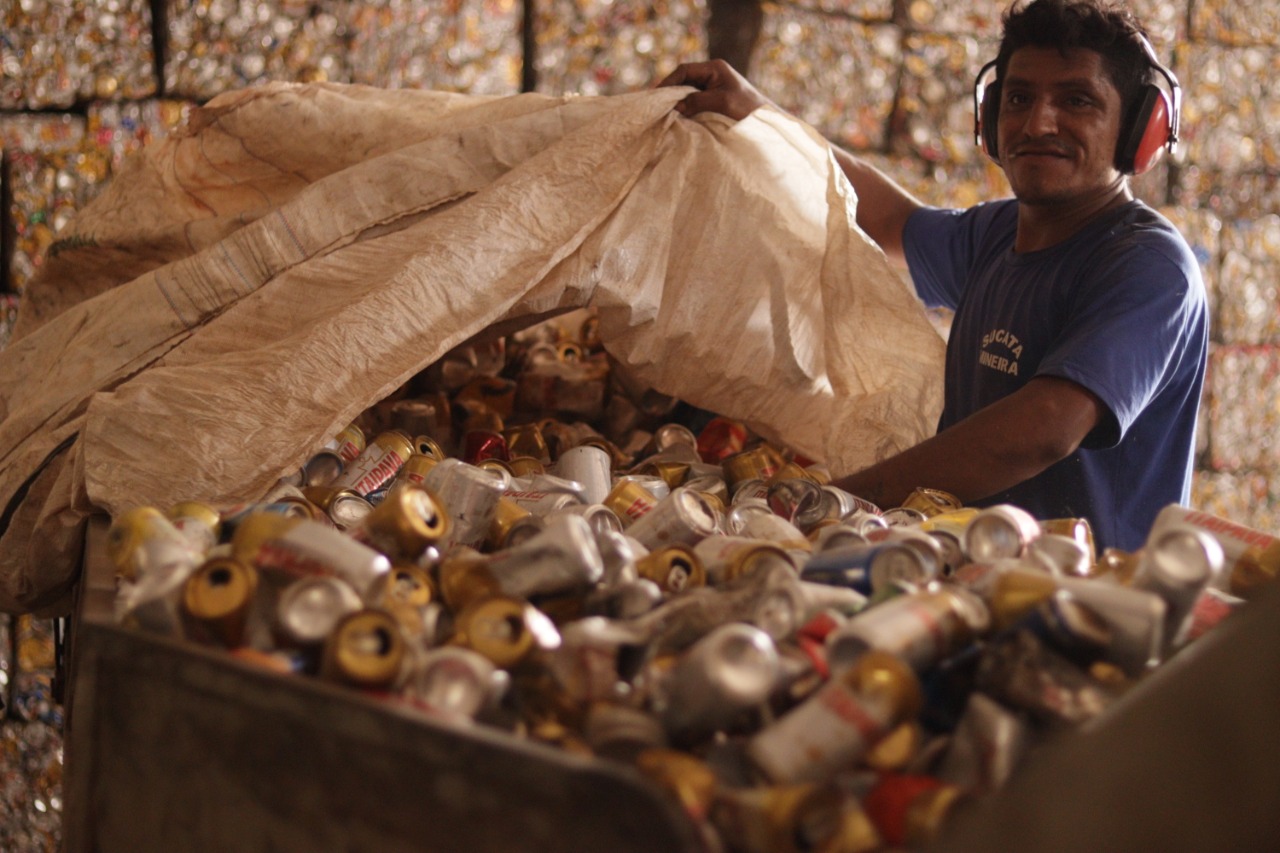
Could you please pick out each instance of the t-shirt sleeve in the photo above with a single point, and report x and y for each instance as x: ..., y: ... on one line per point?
x: 1127, y: 335
x: 940, y: 245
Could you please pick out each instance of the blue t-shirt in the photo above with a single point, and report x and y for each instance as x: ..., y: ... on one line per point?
x: 1119, y: 308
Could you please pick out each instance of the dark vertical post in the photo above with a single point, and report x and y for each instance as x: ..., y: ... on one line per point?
x: 733, y: 28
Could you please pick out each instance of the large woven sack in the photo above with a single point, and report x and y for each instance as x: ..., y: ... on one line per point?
x: 247, y: 286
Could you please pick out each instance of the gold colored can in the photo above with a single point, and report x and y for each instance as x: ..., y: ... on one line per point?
x: 932, y: 502
x: 790, y: 470
x: 464, y: 577
x: 855, y: 834
x: 498, y: 466
x: 506, y: 515
x: 629, y: 501
x: 406, y: 584
x: 416, y: 467
x: 186, y: 515
x: 479, y: 417
x: 377, y: 464
x: 348, y: 443
x: 407, y: 521
x: 497, y: 628
x: 778, y: 818
x: 526, y: 466
x: 366, y: 649
x: 756, y: 463
x: 425, y: 445
x: 1117, y: 564
x: 1078, y: 529
x: 688, y: 779
x: 675, y: 569
x: 144, y: 538
x: 953, y: 521
x: 727, y: 558
x: 496, y: 393
x: 217, y: 599
x: 619, y: 460
x: 1016, y: 593
x: 527, y: 440
x: 344, y: 507
x: 672, y: 473
x: 897, y: 749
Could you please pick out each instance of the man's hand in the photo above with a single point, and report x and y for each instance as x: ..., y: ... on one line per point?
x: 724, y: 90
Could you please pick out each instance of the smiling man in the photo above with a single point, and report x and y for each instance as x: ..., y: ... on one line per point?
x: 1077, y: 353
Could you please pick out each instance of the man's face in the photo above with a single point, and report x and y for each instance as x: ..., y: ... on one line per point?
x: 1058, y: 125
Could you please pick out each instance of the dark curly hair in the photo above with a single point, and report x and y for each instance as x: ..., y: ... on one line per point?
x: 1107, y: 28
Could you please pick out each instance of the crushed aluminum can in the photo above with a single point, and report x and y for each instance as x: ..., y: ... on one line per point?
x: 1177, y: 563
x: 408, y: 521
x: 300, y: 547
x: 308, y: 609
x: 217, y: 600
x: 753, y: 491
x: 590, y: 466
x: 348, y: 443
x: 1251, y: 557
x: 599, y: 517
x: 144, y: 541
x: 779, y: 818
x: 730, y: 670
x: 674, y: 568
x: 505, y: 630
x: 200, y: 522
x: 683, y: 517
x: 794, y: 499
x: 454, y: 682
x: 727, y: 558
x: 377, y: 464
x: 560, y: 558
x: 1135, y: 617
x: 1060, y: 555
x: 910, y: 810
x: 321, y: 469
x: 921, y: 629
x: 754, y: 520
x: 365, y: 649
x: 720, y: 439
x: 988, y: 745
x: 931, y: 502
x: 999, y: 531
x: 756, y: 463
x: 471, y: 496
x: 630, y: 500
x: 828, y: 537
x: 1021, y: 672
x: 834, y: 727
x: 1078, y: 529
x: 1068, y: 627
x: 870, y: 567
x: 620, y: 732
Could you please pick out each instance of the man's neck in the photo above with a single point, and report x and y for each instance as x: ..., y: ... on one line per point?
x: 1043, y: 225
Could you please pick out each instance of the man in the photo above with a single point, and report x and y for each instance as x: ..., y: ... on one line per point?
x: 1077, y: 352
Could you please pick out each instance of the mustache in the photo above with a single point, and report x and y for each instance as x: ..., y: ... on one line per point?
x: 1042, y: 146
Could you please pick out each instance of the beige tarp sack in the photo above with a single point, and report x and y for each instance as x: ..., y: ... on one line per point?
x: 245, y: 288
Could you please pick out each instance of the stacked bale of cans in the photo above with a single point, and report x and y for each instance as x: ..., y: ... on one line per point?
x: 523, y: 538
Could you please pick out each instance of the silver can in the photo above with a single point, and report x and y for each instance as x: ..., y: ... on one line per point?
x: 683, y: 517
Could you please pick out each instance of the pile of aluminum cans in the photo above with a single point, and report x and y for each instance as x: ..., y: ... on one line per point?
x: 526, y: 539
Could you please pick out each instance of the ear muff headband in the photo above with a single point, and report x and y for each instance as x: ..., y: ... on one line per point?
x: 1152, y: 124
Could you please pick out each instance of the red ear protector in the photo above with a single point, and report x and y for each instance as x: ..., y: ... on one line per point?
x: 1150, y: 126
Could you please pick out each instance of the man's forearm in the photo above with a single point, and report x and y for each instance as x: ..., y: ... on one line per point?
x: 992, y: 450
x: 883, y: 205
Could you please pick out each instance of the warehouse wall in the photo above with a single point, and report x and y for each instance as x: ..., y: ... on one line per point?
x: 86, y: 82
